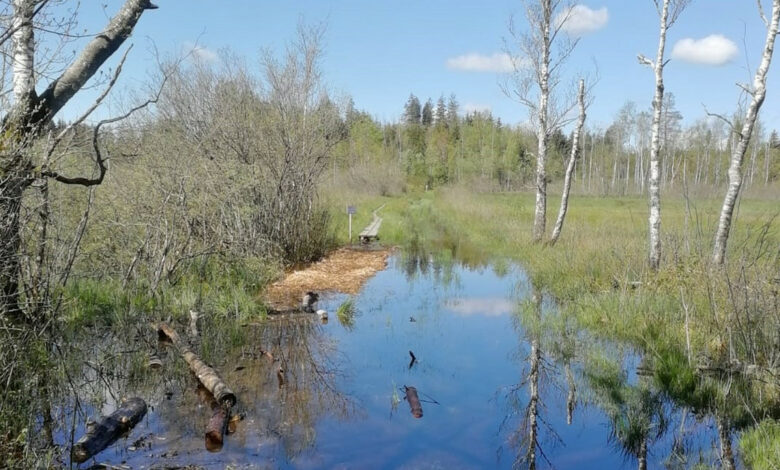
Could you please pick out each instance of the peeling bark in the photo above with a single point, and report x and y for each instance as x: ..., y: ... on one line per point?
x: 542, y: 131
x: 654, y: 190
x: 758, y: 93
x: 576, y: 145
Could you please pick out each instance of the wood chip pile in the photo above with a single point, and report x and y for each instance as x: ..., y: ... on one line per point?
x: 345, y: 270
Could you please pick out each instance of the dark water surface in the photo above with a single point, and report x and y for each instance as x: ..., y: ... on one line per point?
x: 340, y: 401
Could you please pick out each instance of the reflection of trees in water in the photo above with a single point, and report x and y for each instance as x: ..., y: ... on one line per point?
x: 299, y: 386
x: 439, y: 257
x: 636, y: 412
x: 526, y: 437
x: 91, y: 375
x: 99, y: 373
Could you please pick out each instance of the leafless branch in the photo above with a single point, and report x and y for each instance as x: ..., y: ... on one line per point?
x: 645, y: 61
x: 99, y: 159
x: 720, y: 117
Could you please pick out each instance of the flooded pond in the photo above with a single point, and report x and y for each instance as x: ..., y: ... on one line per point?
x: 503, y: 382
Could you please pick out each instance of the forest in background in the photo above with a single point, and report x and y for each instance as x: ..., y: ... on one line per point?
x: 239, y: 171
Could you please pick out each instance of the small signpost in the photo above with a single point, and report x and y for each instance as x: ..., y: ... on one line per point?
x: 351, y: 210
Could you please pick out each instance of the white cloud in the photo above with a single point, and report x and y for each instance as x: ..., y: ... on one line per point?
x: 579, y: 20
x: 488, y: 306
x: 199, y: 52
x: 498, y: 62
x: 714, y: 49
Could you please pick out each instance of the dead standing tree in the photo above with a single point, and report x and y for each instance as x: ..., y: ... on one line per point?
x: 29, y: 115
x: 758, y: 93
x: 576, y: 146
x: 540, y: 53
x: 668, y: 12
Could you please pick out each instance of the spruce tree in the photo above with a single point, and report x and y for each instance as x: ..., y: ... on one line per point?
x: 412, y: 112
x: 427, y: 113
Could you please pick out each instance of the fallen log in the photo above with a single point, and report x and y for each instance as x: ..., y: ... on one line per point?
x: 205, y: 374
x: 217, y: 425
x: 215, y: 430
x: 414, y: 401
x: 109, y: 429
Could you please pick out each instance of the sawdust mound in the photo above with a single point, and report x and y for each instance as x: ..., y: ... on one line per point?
x: 345, y: 270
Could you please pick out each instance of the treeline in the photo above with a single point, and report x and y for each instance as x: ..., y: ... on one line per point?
x: 437, y: 144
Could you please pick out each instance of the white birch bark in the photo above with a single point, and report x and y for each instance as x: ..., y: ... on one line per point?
x: 655, y: 142
x: 758, y: 93
x: 575, y: 152
x: 542, y: 135
x: 23, y: 53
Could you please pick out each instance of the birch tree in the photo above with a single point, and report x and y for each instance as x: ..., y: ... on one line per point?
x: 668, y: 11
x: 538, y: 56
x: 576, y: 144
x: 30, y: 113
x: 757, y: 92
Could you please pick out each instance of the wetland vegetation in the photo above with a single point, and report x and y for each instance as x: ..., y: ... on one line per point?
x: 524, y: 354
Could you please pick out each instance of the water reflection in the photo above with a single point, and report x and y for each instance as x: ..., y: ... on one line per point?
x: 509, y: 369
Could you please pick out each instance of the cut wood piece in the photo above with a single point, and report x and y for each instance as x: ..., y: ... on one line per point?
x: 215, y: 430
x: 205, y: 374
x: 414, y: 401
x: 109, y: 429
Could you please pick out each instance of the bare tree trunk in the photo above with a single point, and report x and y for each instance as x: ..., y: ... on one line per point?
x: 655, y: 145
x: 575, y: 152
x: 642, y: 457
x: 540, y: 210
x: 767, y: 158
x: 735, y: 169
x: 533, y: 391
x: 30, y: 113
x: 571, y: 398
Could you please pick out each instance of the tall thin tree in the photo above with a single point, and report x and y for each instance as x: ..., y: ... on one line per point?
x: 536, y: 74
x: 576, y: 146
x: 668, y: 11
x: 758, y: 93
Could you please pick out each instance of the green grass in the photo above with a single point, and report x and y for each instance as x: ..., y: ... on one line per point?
x: 760, y: 446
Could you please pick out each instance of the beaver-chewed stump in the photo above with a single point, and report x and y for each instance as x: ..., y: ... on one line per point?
x: 109, y: 429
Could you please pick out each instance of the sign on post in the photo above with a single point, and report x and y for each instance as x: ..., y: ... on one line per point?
x: 351, y: 210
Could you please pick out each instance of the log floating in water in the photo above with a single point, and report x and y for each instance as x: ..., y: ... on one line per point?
x: 215, y: 430
x: 109, y: 429
x: 217, y: 425
x: 414, y: 401
x: 205, y: 374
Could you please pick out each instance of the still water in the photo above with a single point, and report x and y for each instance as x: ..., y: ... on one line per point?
x: 483, y: 339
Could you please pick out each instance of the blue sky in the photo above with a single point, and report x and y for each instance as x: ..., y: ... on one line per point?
x: 380, y: 51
